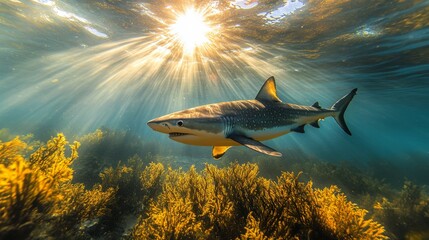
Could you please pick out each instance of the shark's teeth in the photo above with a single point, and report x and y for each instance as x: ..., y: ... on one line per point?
x: 175, y: 134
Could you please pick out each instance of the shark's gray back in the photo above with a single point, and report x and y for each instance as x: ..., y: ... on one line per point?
x: 257, y: 115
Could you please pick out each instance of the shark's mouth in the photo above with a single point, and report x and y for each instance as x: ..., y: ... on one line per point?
x: 177, y: 134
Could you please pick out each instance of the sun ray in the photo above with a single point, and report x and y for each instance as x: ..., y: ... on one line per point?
x: 124, y: 78
x: 191, y: 30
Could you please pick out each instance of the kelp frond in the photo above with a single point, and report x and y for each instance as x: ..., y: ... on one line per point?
x: 407, y: 215
x: 175, y: 220
x: 36, y: 194
x: 12, y: 151
x: 234, y: 202
x: 50, y: 159
x: 38, y: 198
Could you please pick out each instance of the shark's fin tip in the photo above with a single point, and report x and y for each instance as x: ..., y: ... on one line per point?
x: 277, y: 154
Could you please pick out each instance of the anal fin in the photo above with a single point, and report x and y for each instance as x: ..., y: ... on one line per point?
x: 219, y: 151
x: 255, y: 145
x: 315, y: 124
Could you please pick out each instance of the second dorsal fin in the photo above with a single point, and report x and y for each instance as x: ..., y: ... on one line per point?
x: 268, y: 91
x: 316, y: 105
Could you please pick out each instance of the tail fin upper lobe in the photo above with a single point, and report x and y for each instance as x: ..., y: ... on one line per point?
x: 340, y: 107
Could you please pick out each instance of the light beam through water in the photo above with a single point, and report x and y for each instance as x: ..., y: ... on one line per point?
x: 142, y: 77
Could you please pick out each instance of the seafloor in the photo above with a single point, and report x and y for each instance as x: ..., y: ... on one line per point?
x: 113, y: 185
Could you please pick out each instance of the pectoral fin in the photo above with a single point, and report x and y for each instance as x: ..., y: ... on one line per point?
x: 255, y: 145
x: 219, y: 151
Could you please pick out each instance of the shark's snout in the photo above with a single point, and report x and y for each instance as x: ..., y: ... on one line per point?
x: 151, y: 124
x: 159, y: 126
x: 163, y: 126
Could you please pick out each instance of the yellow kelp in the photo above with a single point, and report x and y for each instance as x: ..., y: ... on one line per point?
x: 39, y: 200
x: 36, y: 193
x: 234, y: 202
x: 407, y: 214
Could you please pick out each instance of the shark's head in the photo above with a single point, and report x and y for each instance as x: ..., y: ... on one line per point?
x: 191, y: 126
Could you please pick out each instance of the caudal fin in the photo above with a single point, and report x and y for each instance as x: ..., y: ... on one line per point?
x: 340, y: 107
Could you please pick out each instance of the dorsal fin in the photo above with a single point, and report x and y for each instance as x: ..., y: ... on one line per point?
x: 316, y: 105
x: 268, y: 91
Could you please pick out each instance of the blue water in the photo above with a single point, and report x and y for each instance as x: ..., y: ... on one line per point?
x: 75, y: 66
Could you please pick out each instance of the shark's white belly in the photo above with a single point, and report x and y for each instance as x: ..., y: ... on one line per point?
x: 211, y: 139
x: 267, y: 134
x: 206, y: 139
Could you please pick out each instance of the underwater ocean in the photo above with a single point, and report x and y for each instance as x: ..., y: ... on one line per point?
x: 79, y: 80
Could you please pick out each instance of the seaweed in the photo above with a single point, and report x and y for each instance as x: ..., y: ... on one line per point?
x: 37, y: 197
x: 174, y: 213
x: 25, y: 197
x: 135, y: 186
x: 106, y: 148
x: 407, y: 215
x: 235, y: 202
x: 150, y: 182
x: 253, y: 230
x: 360, y: 184
x: 173, y: 220
x: 77, y: 208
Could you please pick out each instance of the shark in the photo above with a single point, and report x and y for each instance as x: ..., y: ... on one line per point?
x: 247, y: 122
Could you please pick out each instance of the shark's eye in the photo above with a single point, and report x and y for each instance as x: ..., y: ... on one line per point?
x: 180, y: 123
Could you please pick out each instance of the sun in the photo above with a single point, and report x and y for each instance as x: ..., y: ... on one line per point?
x: 191, y: 30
